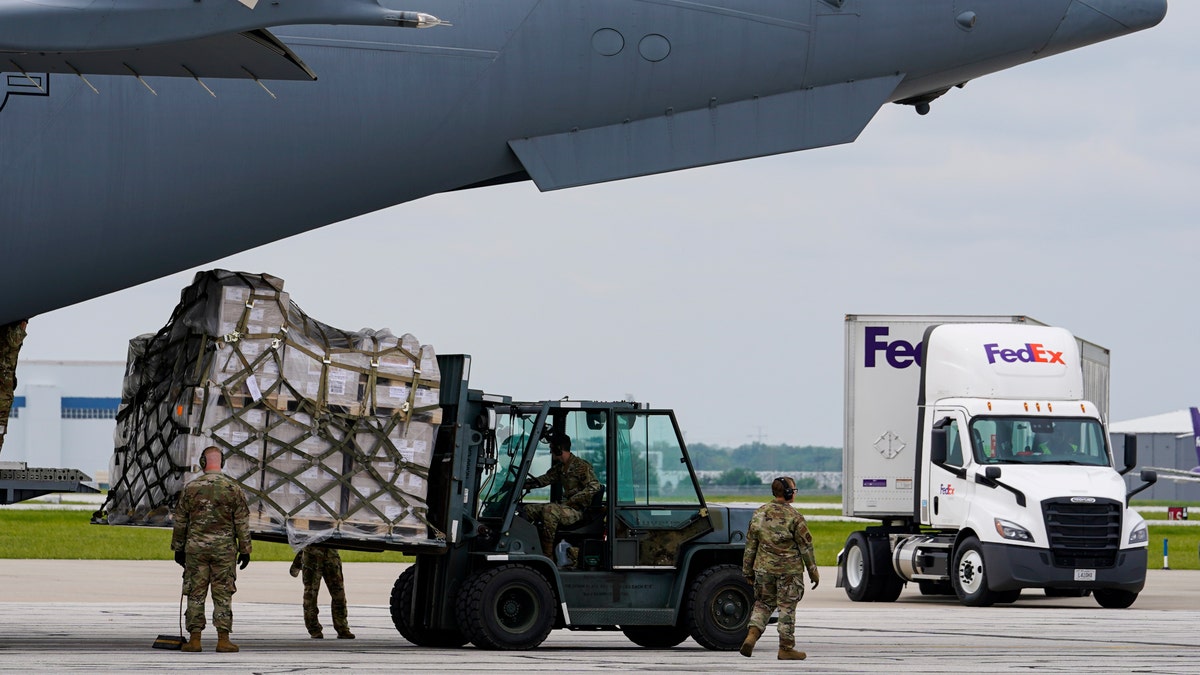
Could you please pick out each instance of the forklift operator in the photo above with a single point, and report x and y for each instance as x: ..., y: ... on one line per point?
x: 579, y: 485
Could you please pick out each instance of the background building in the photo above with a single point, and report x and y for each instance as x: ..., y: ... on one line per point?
x: 63, y: 415
x: 1167, y: 441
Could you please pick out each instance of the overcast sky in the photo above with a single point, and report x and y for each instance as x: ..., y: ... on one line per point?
x: 1067, y: 190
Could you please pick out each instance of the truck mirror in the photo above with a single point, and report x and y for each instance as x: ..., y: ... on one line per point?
x: 992, y: 472
x: 937, y: 446
x: 1130, y: 453
x: 1149, y: 477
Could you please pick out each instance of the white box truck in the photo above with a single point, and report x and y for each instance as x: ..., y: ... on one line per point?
x: 980, y: 444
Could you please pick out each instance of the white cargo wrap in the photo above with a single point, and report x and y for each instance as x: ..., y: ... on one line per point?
x: 883, y: 378
x: 330, y: 433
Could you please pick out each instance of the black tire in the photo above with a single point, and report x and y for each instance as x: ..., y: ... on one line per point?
x: 718, y: 608
x: 863, y: 584
x: 969, y: 576
x: 655, y: 637
x: 856, y: 569
x: 1110, y: 598
x: 401, y: 601
x: 1065, y: 592
x: 890, y: 585
x: 509, y: 607
x: 928, y: 587
x: 1006, y: 597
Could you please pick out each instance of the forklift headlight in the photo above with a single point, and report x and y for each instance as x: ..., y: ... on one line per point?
x: 1011, y: 530
x: 1141, y: 535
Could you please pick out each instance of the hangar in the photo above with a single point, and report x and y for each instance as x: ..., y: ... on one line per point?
x: 1167, y: 440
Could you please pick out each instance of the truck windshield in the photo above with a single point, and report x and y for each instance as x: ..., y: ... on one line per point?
x: 1039, y: 440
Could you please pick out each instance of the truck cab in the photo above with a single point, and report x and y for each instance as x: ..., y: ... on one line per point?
x: 648, y: 557
x: 1012, y: 484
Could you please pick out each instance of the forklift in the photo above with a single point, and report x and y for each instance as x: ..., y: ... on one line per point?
x: 649, y: 557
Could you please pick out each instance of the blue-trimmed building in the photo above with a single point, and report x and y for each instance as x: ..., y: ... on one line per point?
x: 64, y: 415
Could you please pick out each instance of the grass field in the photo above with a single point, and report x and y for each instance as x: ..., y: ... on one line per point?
x: 68, y: 535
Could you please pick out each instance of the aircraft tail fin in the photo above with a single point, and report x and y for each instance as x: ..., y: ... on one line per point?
x: 1196, y: 436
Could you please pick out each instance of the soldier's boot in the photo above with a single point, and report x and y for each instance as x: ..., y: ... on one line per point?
x: 787, y: 652
x: 345, y: 634
x: 751, y: 638
x: 193, y: 644
x: 223, y: 643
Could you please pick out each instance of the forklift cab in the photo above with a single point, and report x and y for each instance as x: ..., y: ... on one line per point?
x: 649, y: 504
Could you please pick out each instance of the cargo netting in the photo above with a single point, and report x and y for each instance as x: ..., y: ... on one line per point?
x: 330, y: 433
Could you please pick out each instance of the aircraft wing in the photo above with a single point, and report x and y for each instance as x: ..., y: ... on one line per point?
x: 1177, y: 475
x: 796, y: 120
x: 247, y: 55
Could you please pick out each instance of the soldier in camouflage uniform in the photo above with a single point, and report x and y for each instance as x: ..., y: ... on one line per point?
x: 778, y: 549
x: 11, y: 337
x: 579, y: 485
x: 211, y: 536
x: 322, y: 563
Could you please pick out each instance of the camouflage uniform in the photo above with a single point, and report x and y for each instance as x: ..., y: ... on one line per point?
x: 11, y: 337
x: 579, y: 485
x: 778, y: 548
x: 318, y: 563
x: 212, y: 528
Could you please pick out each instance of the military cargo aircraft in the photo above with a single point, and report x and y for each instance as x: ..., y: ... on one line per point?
x: 144, y: 137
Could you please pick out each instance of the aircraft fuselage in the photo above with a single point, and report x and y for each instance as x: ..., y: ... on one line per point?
x: 104, y: 191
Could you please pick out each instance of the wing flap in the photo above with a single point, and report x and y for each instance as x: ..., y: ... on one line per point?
x: 797, y: 120
x: 252, y: 54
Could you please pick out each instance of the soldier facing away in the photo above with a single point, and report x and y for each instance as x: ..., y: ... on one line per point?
x: 579, y: 485
x: 778, y: 549
x: 211, y: 537
x: 323, y: 563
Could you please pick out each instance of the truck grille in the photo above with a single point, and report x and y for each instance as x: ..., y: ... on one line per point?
x: 1083, y: 534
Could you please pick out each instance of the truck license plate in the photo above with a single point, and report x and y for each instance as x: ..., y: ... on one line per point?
x: 1085, y: 575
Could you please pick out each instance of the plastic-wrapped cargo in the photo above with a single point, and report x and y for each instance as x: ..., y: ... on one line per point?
x: 329, y: 432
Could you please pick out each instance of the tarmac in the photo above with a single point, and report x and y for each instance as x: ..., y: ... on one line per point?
x: 103, y: 615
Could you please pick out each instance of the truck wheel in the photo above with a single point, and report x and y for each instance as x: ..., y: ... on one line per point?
x: 655, y: 637
x: 507, y: 607
x: 718, y: 608
x: 890, y: 585
x: 1110, y: 598
x: 857, y: 570
x: 935, y: 587
x: 1007, y: 597
x: 968, y: 576
x: 1065, y: 592
x: 401, y: 602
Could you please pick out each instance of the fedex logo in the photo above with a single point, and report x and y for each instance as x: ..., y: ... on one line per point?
x: 947, y: 490
x: 898, y: 353
x: 1031, y: 353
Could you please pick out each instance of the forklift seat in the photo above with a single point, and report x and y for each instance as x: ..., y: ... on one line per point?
x: 592, y: 522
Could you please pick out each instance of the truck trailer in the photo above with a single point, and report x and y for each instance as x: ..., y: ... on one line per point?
x: 980, y: 443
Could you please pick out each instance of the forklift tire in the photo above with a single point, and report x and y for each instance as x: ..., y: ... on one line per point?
x: 718, y: 608
x: 655, y: 637
x: 401, y: 601
x: 507, y: 607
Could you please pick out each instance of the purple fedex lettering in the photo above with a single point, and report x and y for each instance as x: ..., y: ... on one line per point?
x: 899, y: 353
x: 1031, y: 353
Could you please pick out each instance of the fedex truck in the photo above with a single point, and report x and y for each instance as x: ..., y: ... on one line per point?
x: 980, y: 443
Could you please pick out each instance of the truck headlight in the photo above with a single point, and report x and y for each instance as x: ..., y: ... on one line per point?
x: 1011, y: 530
x: 1140, y: 535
